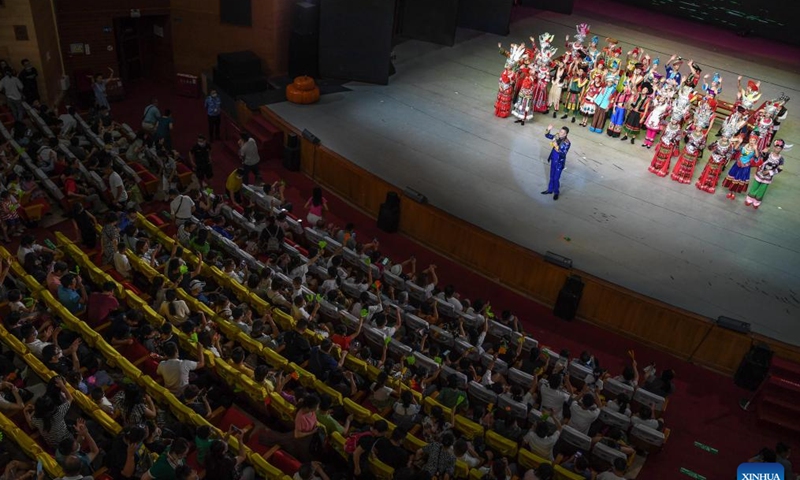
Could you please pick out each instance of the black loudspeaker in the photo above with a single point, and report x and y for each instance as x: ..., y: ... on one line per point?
x: 568, y: 298
x: 389, y: 214
x: 355, y: 39
x: 754, y: 367
x: 305, y: 20
x: 236, y: 12
x: 291, y: 153
x: 292, y: 140
x: 431, y: 21
x: 303, y: 54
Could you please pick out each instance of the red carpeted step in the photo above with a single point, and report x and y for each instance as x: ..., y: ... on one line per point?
x: 782, y: 419
x: 777, y: 387
x: 780, y: 404
x: 785, y: 369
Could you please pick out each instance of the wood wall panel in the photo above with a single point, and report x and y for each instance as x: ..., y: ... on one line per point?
x: 199, y: 36
x: 83, y: 21
x: 679, y: 332
x: 48, y: 61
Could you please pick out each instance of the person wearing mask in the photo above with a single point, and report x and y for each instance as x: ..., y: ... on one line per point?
x: 213, y: 105
x: 169, y: 461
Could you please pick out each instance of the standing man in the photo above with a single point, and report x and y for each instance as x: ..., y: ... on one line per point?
x: 214, y: 110
x: 557, y: 159
x: 99, y: 89
x: 151, y: 116
x: 200, y: 157
x: 116, y: 186
x: 12, y: 87
x: 181, y: 207
x: 28, y: 76
x: 248, y: 151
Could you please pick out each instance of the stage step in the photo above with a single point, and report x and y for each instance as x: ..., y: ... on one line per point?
x: 785, y: 369
x: 781, y: 419
x: 771, y: 403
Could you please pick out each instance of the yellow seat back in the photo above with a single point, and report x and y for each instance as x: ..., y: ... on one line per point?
x: 529, y: 460
x: 380, y: 469
x: 360, y: 414
x: 467, y: 427
x: 500, y: 444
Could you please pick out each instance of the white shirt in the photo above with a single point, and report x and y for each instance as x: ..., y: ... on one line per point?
x: 36, y: 347
x: 176, y: 373
x: 22, y: 252
x: 181, y: 207
x: 12, y: 86
x: 328, y: 285
x: 609, y: 476
x: 552, y: 398
x: 122, y: 264
x: 114, y: 182
x: 456, y: 303
x: 582, y: 418
x: 541, y: 446
x: 249, y: 152
x: 69, y: 124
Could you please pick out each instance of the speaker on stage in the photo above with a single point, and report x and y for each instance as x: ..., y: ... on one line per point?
x: 569, y: 297
x: 389, y: 214
x: 291, y: 153
x: 754, y: 367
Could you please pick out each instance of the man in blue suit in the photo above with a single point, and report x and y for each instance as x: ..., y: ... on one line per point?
x: 558, y: 157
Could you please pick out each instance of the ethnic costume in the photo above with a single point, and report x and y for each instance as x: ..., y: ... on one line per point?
x: 576, y: 87
x: 684, y: 167
x: 542, y: 72
x: 666, y: 149
x: 618, y: 115
x: 721, y: 152
x: 738, y: 178
x: 554, y: 96
x: 601, y: 101
x: 523, y: 108
x: 502, y: 106
x: 587, y: 105
x: 772, y: 166
x: 636, y: 113
x: 653, y: 123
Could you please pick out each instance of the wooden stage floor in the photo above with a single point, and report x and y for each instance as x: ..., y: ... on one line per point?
x: 433, y: 129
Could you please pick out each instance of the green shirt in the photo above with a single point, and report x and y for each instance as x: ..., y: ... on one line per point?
x: 331, y: 424
x: 203, y: 248
x: 163, y: 469
x: 202, y: 448
x: 449, y: 398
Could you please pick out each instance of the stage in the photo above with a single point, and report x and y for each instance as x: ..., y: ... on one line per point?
x: 433, y: 129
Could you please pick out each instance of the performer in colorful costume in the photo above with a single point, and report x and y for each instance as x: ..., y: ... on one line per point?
x: 637, y: 112
x: 771, y: 166
x: 666, y: 148
x: 684, y: 167
x: 653, y: 121
x: 738, y: 178
x: 556, y: 87
x: 505, y: 92
x: 747, y: 97
x: 721, y: 152
x: 577, y: 85
x: 602, y: 101
x: 524, y: 106
x: 541, y: 72
x: 621, y: 104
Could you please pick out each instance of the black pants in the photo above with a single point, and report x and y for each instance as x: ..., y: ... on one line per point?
x: 247, y: 170
x: 213, y: 127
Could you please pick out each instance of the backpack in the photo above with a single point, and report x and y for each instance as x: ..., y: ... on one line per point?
x: 351, y: 443
x: 273, y: 245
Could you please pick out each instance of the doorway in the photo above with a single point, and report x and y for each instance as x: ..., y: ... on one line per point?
x: 144, y: 47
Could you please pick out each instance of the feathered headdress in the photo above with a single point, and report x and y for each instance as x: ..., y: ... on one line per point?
x: 583, y: 31
x: 595, y: 40
x: 545, y: 39
x: 752, y: 85
x: 716, y: 78
x: 702, y: 116
x: 728, y: 129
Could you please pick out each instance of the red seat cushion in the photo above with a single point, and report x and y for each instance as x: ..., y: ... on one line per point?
x: 233, y: 416
x: 285, y: 462
x: 155, y: 220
